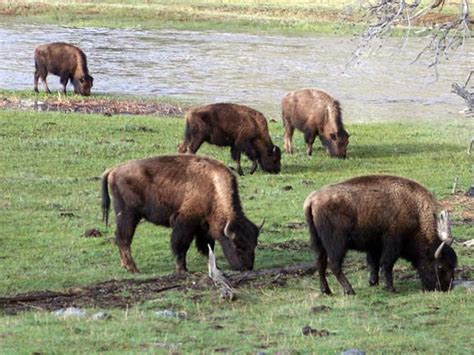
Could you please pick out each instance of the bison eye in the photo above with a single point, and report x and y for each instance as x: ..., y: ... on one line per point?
x: 81, y: 80
x: 333, y: 136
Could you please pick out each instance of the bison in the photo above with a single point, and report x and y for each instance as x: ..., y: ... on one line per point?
x: 315, y: 113
x: 242, y: 128
x: 387, y: 217
x: 196, y: 196
x: 66, y: 61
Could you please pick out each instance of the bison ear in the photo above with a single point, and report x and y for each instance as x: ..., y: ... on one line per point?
x: 333, y: 136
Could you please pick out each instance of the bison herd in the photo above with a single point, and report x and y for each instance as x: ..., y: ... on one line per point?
x: 387, y: 217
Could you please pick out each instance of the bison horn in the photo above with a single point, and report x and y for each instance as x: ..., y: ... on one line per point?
x: 260, y: 227
x: 228, y: 233
x: 438, y: 251
x: 274, y: 149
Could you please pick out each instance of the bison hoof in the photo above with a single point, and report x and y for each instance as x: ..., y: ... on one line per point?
x: 391, y: 289
x: 349, y: 292
x: 373, y: 282
x: 326, y: 291
x: 181, y: 269
x: 132, y: 268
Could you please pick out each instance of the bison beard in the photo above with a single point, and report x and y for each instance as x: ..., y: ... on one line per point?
x: 387, y: 217
x: 196, y: 196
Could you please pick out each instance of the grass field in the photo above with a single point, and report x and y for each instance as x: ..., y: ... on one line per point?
x: 50, y: 195
x: 340, y: 17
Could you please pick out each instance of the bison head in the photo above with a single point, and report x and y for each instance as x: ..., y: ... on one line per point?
x: 83, y: 85
x: 438, y: 274
x: 238, y: 242
x: 437, y: 269
x: 336, y: 143
x: 270, y: 159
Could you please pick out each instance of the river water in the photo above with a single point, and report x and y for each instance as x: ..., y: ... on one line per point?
x: 257, y: 70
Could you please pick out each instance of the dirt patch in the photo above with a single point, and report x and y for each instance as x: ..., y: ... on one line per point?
x: 460, y: 207
x: 293, y: 245
x: 125, y: 293
x: 96, y: 106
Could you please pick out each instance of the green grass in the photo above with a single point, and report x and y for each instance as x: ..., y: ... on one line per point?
x: 342, y: 17
x: 50, y: 194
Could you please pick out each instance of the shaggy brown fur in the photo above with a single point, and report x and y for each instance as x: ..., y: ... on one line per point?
x: 195, y: 196
x: 66, y: 61
x: 242, y: 128
x: 385, y: 216
x: 315, y: 113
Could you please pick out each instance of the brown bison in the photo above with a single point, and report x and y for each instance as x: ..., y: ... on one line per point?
x: 196, y: 196
x: 66, y: 61
x: 242, y: 128
x: 315, y: 113
x: 387, y: 217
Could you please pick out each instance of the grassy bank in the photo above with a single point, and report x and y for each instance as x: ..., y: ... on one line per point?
x: 49, y: 177
x: 298, y: 17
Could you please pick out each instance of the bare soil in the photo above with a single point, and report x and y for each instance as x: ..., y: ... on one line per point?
x: 97, y: 106
x: 125, y: 293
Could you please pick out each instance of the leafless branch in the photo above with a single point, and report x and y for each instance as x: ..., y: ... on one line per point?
x: 463, y: 92
x: 385, y: 15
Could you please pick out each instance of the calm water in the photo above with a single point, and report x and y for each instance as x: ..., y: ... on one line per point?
x: 257, y: 70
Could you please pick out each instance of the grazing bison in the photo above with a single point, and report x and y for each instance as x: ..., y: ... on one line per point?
x: 387, y: 217
x: 195, y: 196
x: 66, y: 61
x: 242, y: 128
x: 315, y: 113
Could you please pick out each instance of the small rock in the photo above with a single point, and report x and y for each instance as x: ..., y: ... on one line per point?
x: 227, y: 294
x: 70, y: 312
x: 353, y: 351
x: 307, y: 330
x: 467, y: 284
x: 169, y: 313
x: 93, y: 233
x: 101, y: 316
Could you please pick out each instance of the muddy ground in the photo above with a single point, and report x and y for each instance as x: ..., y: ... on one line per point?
x: 97, y: 106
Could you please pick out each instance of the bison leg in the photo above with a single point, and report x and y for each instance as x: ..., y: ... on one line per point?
x: 181, y: 239
x: 45, y: 83
x: 252, y: 155
x: 289, y: 130
x: 202, y: 240
x: 309, y: 137
x: 336, y: 268
x: 126, y: 225
x: 322, y: 263
x: 373, y: 262
x: 389, y: 256
x: 36, y: 82
x: 235, y: 153
x: 64, y: 81
x: 321, y: 256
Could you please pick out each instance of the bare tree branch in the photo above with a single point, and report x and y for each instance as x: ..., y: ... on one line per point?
x: 465, y: 94
x: 385, y: 15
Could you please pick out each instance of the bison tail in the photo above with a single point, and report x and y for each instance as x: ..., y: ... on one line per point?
x: 313, y: 232
x: 105, y: 198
